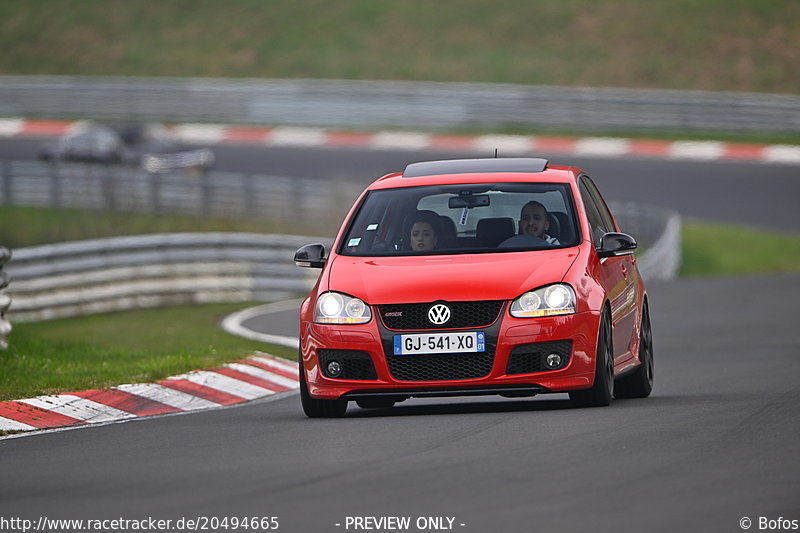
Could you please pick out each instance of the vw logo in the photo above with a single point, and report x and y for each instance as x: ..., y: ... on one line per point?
x: 439, y: 314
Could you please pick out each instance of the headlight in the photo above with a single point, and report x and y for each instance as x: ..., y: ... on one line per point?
x: 558, y: 299
x: 338, y: 308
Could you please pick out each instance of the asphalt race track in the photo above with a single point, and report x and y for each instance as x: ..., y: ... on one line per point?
x: 719, y: 439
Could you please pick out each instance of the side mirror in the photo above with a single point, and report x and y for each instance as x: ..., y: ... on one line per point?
x: 616, y: 244
x: 310, y: 255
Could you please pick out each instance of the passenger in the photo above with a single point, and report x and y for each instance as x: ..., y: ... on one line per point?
x: 424, y: 231
x: 533, y: 221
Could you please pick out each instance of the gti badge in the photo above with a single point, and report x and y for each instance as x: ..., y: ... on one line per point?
x: 439, y: 314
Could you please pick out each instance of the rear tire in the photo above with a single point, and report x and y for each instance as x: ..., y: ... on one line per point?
x: 639, y: 384
x: 602, y: 392
x: 314, y: 408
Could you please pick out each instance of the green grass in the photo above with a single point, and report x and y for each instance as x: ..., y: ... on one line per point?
x: 739, y: 45
x: 716, y: 249
x: 100, y: 351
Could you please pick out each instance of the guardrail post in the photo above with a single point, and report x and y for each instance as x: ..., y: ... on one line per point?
x: 155, y: 191
x: 55, y: 186
x: 297, y: 203
x: 5, y: 300
x: 7, y: 177
x: 206, y: 192
x: 107, y: 186
x: 250, y: 195
x: 112, y: 189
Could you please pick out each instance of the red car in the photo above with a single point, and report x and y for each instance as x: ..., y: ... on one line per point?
x: 500, y: 276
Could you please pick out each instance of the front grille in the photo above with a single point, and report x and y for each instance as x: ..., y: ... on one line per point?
x: 440, y: 367
x: 530, y: 358
x: 356, y: 364
x: 462, y: 315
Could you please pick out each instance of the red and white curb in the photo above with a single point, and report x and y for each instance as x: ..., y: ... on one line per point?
x: 482, y: 144
x: 255, y: 377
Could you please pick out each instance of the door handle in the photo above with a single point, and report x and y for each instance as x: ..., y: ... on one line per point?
x: 624, y: 271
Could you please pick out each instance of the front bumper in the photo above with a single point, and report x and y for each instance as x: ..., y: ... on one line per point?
x: 507, y: 333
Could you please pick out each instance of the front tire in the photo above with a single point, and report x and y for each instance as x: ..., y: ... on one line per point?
x: 639, y: 384
x: 602, y: 392
x: 314, y: 408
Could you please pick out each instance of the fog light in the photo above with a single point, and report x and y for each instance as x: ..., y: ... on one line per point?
x: 553, y: 360
x: 334, y: 369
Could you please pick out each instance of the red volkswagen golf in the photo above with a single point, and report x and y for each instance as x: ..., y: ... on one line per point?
x: 478, y: 276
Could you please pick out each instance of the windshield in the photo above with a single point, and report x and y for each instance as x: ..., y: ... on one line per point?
x: 457, y: 219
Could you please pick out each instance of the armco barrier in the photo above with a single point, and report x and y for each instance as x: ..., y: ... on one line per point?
x: 316, y: 203
x: 103, y: 275
x: 396, y: 104
x: 5, y: 300
x: 658, y: 233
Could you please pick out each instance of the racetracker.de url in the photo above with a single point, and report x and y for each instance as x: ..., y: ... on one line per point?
x: 146, y: 525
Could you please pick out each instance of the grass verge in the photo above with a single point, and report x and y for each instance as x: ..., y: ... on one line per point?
x: 734, y: 45
x: 100, y: 351
x: 717, y: 249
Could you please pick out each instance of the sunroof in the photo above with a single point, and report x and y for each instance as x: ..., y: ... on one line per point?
x: 472, y: 166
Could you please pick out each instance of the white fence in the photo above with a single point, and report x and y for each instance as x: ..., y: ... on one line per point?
x: 370, y: 104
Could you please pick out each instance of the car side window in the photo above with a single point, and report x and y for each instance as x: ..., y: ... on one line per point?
x: 596, y: 223
x: 602, y: 208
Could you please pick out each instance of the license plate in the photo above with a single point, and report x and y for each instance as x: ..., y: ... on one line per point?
x: 427, y: 343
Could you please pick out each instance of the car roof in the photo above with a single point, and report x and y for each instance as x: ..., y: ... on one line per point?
x: 494, y: 170
x: 473, y: 166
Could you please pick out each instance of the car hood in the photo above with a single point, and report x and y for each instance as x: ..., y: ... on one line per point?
x: 498, y: 276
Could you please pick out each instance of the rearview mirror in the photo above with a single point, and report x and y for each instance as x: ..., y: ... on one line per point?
x: 468, y: 201
x: 310, y: 255
x: 616, y: 244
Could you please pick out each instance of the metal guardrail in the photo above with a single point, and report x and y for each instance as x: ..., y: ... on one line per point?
x: 5, y: 300
x: 377, y: 104
x: 315, y: 204
x: 104, y: 275
x: 658, y: 233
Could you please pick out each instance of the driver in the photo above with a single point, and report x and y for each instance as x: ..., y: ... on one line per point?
x: 533, y: 221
